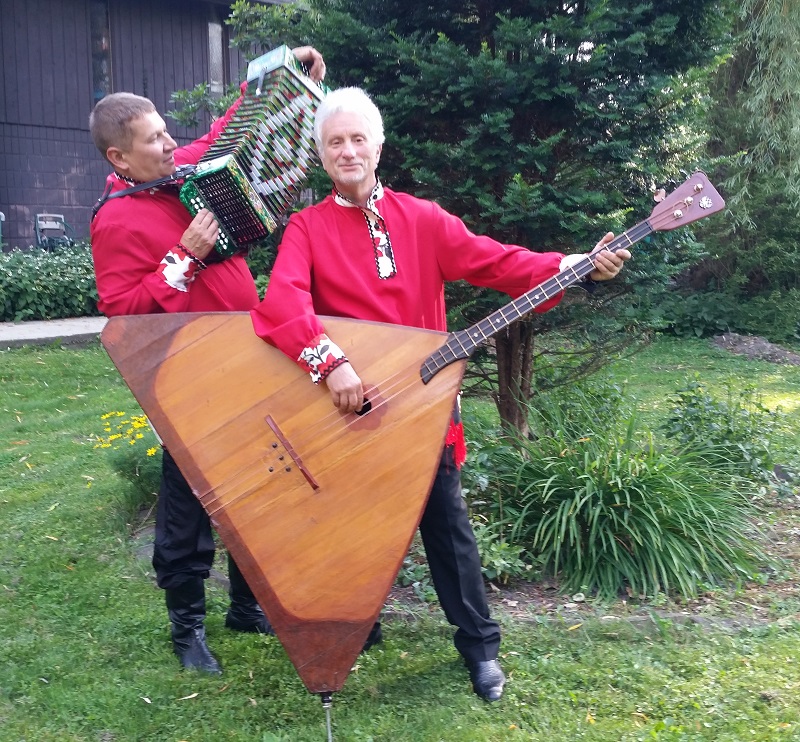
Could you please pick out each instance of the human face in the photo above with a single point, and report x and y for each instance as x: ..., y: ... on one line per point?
x: 150, y: 153
x: 350, y: 155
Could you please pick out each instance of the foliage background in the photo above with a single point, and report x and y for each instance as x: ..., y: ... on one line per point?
x: 40, y: 285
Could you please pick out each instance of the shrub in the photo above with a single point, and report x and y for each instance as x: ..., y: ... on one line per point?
x: 734, y: 434
x: 590, y: 500
x: 775, y: 316
x: 39, y: 285
x: 605, y: 513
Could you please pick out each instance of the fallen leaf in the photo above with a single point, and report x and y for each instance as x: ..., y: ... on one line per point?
x: 574, y: 626
x: 145, y: 699
x: 186, y: 698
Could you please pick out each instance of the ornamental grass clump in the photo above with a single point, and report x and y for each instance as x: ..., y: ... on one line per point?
x: 609, y: 511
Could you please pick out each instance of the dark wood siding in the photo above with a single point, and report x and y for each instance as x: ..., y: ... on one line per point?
x: 47, y: 159
x: 158, y: 48
x: 46, y: 76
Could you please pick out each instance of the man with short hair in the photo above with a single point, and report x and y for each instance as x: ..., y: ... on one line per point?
x: 150, y: 256
x: 370, y: 253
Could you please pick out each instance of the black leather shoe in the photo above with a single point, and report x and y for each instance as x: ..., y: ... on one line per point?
x: 193, y: 652
x: 186, y: 605
x: 245, y: 613
x: 252, y: 621
x: 487, y: 679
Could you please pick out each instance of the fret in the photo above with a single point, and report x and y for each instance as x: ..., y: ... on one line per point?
x: 477, y: 332
x: 457, y: 346
x: 442, y: 350
x: 457, y: 339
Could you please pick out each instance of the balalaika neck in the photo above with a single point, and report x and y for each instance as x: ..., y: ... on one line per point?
x: 462, y: 344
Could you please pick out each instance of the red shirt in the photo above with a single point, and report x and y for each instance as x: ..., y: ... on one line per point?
x: 132, y: 235
x: 327, y: 265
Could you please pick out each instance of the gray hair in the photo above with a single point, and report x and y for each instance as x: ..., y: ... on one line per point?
x: 349, y: 100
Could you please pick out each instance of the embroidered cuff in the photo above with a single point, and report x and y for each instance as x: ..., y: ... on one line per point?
x: 320, y: 358
x: 178, y: 269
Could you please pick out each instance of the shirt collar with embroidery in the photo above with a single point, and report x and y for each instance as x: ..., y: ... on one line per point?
x: 130, y: 182
x: 376, y: 195
x: 376, y: 229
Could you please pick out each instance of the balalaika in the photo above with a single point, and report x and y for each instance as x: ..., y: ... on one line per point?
x: 256, y: 169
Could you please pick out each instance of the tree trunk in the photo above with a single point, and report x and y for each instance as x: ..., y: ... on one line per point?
x: 514, y: 347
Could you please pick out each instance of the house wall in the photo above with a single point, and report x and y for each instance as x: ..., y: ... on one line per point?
x: 48, y: 162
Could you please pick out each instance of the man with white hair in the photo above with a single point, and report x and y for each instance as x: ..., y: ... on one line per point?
x: 370, y: 253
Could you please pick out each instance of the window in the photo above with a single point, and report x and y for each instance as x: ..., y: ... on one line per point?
x: 101, y: 49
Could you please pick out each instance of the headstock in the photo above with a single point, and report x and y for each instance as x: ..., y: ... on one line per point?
x: 694, y: 199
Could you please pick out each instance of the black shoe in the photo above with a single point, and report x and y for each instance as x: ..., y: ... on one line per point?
x: 375, y: 637
x: 245, y: 613
x: 193, y: 652
x: 252, y: 621
x: 186, y: 605
x: 487, y: 679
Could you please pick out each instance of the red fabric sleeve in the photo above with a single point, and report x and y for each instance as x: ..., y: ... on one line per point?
x: 482, y: 261
x: 286, y: 317
x: 128, y: 279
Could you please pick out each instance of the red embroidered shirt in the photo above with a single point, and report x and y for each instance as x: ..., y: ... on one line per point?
x: 329, y: 263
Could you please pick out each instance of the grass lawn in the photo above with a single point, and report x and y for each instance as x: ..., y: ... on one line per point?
x: 84, y: 643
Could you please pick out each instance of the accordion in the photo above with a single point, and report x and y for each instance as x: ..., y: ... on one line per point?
x: 255, y: 170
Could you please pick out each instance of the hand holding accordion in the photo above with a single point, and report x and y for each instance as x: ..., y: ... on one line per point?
x: 256, y: 168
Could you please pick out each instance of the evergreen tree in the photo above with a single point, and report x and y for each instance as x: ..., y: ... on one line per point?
x: 753, y: 256
x: 539, y: 122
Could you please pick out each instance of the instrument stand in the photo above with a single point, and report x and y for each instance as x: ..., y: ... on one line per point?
x: 327, y: 702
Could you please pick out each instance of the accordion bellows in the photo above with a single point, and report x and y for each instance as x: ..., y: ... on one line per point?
x: 255, y: 170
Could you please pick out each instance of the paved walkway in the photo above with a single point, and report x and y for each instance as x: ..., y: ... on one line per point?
x: 77, y: 331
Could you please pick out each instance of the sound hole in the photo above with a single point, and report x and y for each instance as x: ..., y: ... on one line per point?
x: 365, y: 408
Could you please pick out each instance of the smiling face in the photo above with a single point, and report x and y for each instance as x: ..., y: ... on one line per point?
x: 150, y: 153
x: 350, y: 155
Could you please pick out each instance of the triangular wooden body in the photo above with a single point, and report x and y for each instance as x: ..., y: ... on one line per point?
x: 317, y: 508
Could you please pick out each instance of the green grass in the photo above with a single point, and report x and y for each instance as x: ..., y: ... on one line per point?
x: 85, y: 653
x: 660, y: 369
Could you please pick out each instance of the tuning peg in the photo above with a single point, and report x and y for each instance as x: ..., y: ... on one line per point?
x: 659, y: 195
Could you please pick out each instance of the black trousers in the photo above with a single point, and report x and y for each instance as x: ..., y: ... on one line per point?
x: 184, y: 541
x: 456, y: 566
x: 184, y: 548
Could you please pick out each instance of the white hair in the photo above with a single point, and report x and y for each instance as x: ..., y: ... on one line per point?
x: 349, y: 100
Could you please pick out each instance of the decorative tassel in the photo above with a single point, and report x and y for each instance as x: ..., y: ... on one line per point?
x: 455, y: 438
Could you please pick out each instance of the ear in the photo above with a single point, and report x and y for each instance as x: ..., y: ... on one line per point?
x: 378, y: 155
x: 117, y: 158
